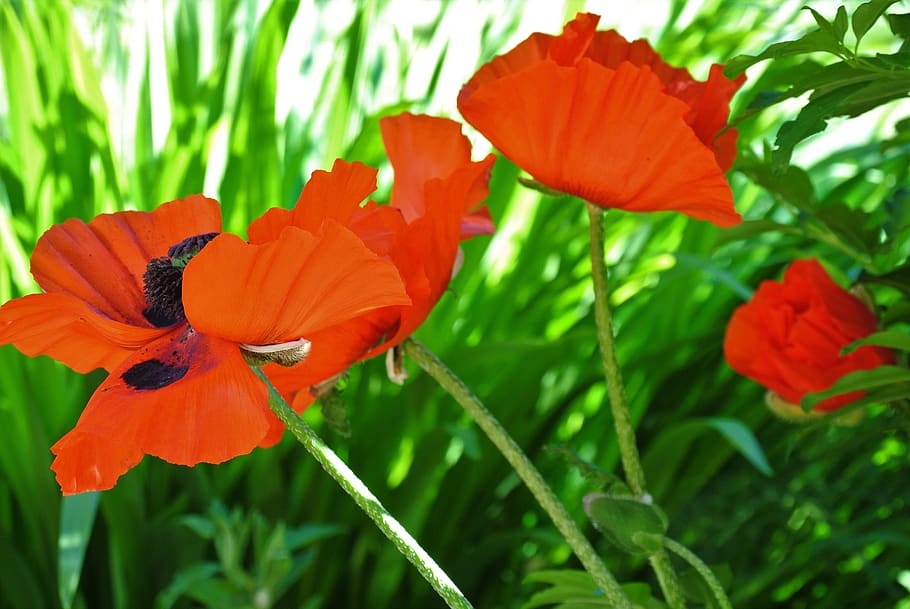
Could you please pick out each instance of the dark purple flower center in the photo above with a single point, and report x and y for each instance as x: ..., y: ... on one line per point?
x: 163, y: 281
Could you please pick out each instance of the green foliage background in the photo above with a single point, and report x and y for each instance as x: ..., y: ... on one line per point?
x: 107, y: 106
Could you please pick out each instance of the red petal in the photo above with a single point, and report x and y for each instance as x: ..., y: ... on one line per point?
x: 709, y: 104
x: 611, y: 137
x: 69, y: 331
x: 286, y: 289
x: 186, y: 398
x: 378, y: 226
x: 335, y: 195
x: 421, y: 148
x: 567, y: 48
x: 101, y: 263
x: 610, y: 49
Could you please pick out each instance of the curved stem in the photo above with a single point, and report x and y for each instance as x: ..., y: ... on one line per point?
x: 622, y: 417
x: 368, y: 502
x: 524, y: 468
x: 704, y: 570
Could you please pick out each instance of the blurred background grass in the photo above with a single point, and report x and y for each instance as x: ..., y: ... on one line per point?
x: 123, y: 105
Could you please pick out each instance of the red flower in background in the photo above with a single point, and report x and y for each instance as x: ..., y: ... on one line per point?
x: 131, y: 292
x: 790, y: 335
x: 593, y: 115
x: 434, y: 205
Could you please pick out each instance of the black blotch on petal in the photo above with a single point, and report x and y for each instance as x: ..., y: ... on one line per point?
x: 153, y: 374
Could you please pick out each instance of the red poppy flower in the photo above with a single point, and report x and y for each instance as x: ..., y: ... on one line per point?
x: 434, y: 205
x: 593, y: 115
x: 790, y: 335
x: 167, y: 305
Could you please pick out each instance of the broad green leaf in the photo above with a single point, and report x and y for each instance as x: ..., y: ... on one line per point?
x: 77, y: 516
x: 893, y: 339
x: 900, y: 24
x: 867, y: 14
x: 621, y: 518
x: 862, y: 380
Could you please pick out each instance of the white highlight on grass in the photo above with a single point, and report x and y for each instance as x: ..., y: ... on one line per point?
x: 157, y: 61
x: 392, y: 526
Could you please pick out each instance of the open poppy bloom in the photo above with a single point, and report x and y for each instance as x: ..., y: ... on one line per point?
x: 592, y: 115
x: 434, y: 205
x: 789, y: 337
x: 169, y: 306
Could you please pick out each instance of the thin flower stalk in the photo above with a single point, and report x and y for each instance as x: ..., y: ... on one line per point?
x: 524, y: 468
x: 704, y: 570
x: 622, y: 418
x: 366, y: 500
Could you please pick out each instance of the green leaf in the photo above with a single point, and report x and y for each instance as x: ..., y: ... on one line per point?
x: 621, y: 518
x: 742, y: 439
x: 812, y: 119
x: 77, y: 516
x: 900, y: 24
x: 185, y: 580
x: 565, y: 585
x: 867, y: 14
x: 837, y: 29
x: 815, y: 41
x: 898, y: 278
x: 862, y: 380
x: 790, y: 184
x: 593, y: 474
x: 893, y: 339
x: 573, y: 588
x: 849, y: 224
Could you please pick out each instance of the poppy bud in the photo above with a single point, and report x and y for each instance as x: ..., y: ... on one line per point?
x: 790, y: 336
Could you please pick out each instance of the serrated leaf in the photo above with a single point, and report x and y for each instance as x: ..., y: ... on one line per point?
x: 620, y: 518
x: 862, y: 380
x: 866, y: 14
x: 836, y: 29
x: 893, y: 339
x: 815, y: 41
